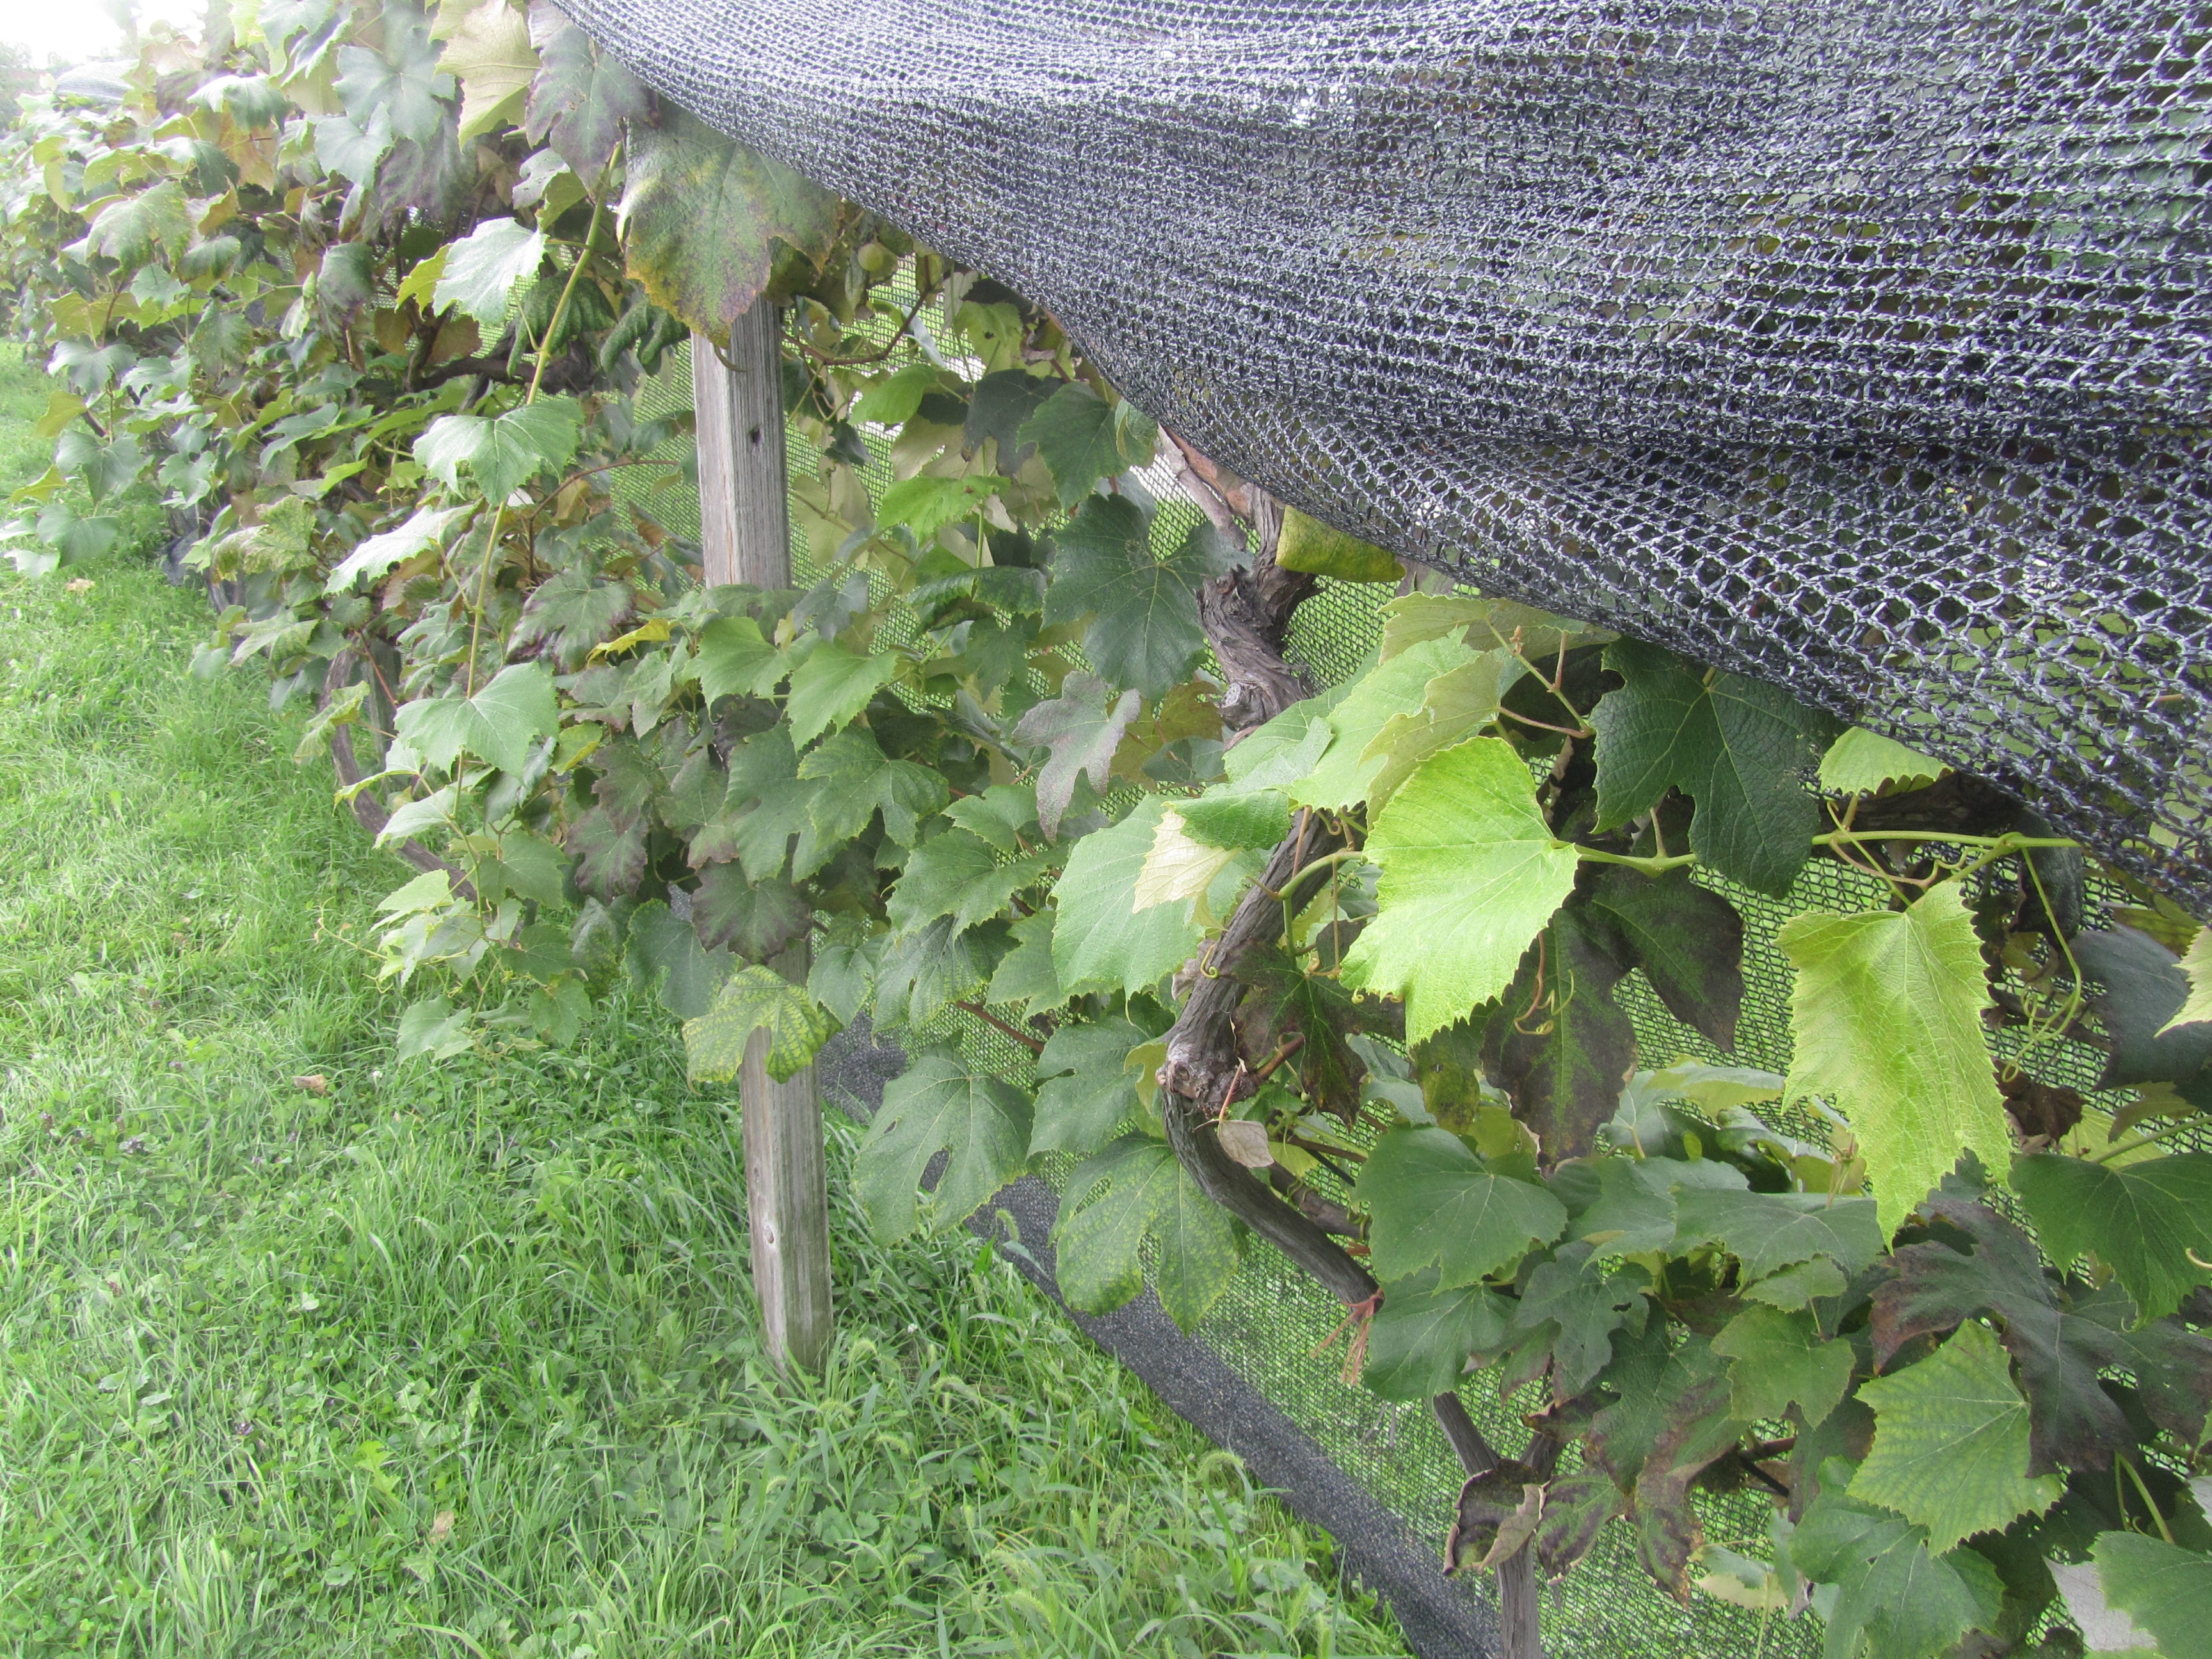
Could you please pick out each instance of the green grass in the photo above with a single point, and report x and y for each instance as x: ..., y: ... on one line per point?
x: 463, y: 1360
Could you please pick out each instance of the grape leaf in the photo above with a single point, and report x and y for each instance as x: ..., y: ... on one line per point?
x: 1622, y: 1205
x: 1734, y: 746
x: 1469, y: 871
x: 1885, y: 1020
x: 702, y: 214
x: 734, y: 658
x: 959, y: 875
x: 1576, y: 1508
x: 1082, y: 730
x: 1780, y: 1359
x: 1432, y: 1202
x: 1895, y: 1598
x: 1132, y: 1190
x: 2140, y: 1219
x: 405, y: 81
x: 578, y: 101
x: 1701, y: 1426
x: 1287, y: 1006
x: 491, y: 55
x: 1100, y: 940
x: 1399, y: 688
x: 1863, y: 762
x: 843, y: 977
x: 1082, y: 440
x: 664, y: 950
x: 1308, y: 544
x: 926, y: 504
x: 1088, y: 1092
x: 1177, y: 868
x: 1950, y: 1442
x: 506, y: 452
x: 610, y: 852
x: 757, y: 998
x: 498, y: 724
x: 2141, y: 990
x: 891, y: 399
x: 2060, y: 1340
x: 1418, y: 1345
x: 1003, y: 814
x: 1769, y: 1231
x: 925, y: 971
x: 997, y: 408
x: 2165, y: 1590
x: 1025, y: 978
x: 754, y: 919
x: 832, y: 686
x: 1574, y: 1303
x: 853, y: 781
x: 1454, y: 706
x: 939, y: 1105
x: 1144, y: 629
x: 1799, y: 1286
x: 374, y: 554
x: 1687, y: 939
x: 2196, y: 966
x: 573, y: 614
x: 1566, y: 1049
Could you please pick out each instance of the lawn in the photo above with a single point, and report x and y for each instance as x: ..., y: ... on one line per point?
x: 305, y: 1352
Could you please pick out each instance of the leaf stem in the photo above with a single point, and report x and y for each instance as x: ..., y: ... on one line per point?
x: 2147, y: 1138
x: 1653, y: 866
x: 992, y: 1019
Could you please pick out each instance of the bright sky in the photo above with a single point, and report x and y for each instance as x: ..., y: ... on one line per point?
x: 76, y: 30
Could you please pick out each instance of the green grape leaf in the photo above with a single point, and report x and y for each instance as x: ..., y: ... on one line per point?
x: 1622, y: 1205
x: 753, y: 998
x: 578, y: 101
x: 2165, y: 1590
x: 491, y: 55
x: 1100, y: 940
x: 573, y: 614
x: 1144, y: 630
x: 997, y: 408
x: 1687, y: 939
x: 959, y: 875
x: 1863, y: 762
x: 609, y: 849
x: 734, y: 658
x: 1310, y: 545
x: 1576, y: 1508
x: 1455, y: 705
x: 853, y: 781
x: 1287, y: 1005
x: 498, y: 724
x: 663, y: 950
x: 1087, y: 1092
x: 1655, y: 1385
x: 1004, y: 815
x: 1082, y: 438
x: 1885, y: 1017
x: 1575, y: 1303
x: 1418, y: 1345
x: 702, y: 214
x: 1734, y: 746
x: 938, y: 1104
x: 2060, y: 1338
x: 1399, y: 688
x: 891, y: 399
x: 1432, y: 1202
x: 926, y: 504
x: 372, y: 556
x: 1238, y: 820
x: 506, y: 452
x: 1025, y: 978
x: 1799, y: 1286
x: 1132, y: 1190
x: 1950, y: 1442
x: 2197, y: 968
x: 2140, y: 1220
x: 405, y: 80
x: 1780, y: 1360
x: 1895, y: 1599
x: 1490, y: 623
x: 832, y: 686
x: 1082, y: 729
x: 754, y: 919
x: 130, y: 229
x: 1567, y: 1049
x: 1769, y: 1231
x: 925, y: 971
x: 1469, y: 872
x: 842, y: 977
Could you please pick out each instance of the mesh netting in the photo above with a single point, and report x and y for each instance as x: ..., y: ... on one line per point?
x: 1858, y: 345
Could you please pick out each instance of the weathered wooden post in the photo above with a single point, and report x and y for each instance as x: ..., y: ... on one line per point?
x: 744, y: 533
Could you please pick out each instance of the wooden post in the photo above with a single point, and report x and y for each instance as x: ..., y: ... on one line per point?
x: 744, y: 533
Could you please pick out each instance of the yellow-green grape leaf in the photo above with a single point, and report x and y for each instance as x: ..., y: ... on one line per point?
x: 1777, y: 1359
x: 2164, y: 1588
x: 1469, y: 874
x: 1310, y: 545
x: 1950, y: 1442
x: 2142, y: 1220
x: 1490, y: 623
x: 1432, y: 1201
x: 757, y: 998
x: 926, y: 505
x: 1349, y: 766
x: 939, y: 1105
x: 1885, y: 1020
x: 1100, y: 939
x: 424, y: 529
x: 1134, y: 1189
x: 491, y: 55
x: 479, y: 273
x: 2197, y: 963
x: 1177, y: 867
x: 832, y: 686
x: 700, y: 216
x: 1454, y: 706
x: 1863, y: 762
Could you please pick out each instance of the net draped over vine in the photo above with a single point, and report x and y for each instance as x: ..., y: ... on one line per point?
x: 1858, y: 345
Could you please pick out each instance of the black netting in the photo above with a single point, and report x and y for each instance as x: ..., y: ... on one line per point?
x: 1857, y: 345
